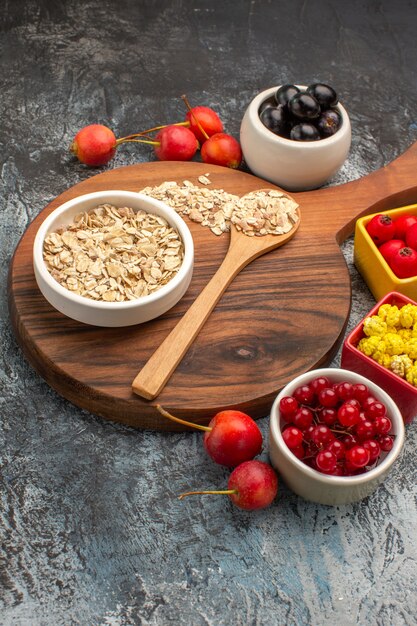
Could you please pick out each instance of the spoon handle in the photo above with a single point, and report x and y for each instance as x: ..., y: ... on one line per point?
x: 157, y: 371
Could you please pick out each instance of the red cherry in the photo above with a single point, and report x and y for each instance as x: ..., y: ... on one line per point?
x: 252, y: 485
x: 230, y: 438
x: 222, y: 149
x: 206, y: 118
x: 389, y: 248
x: 175, y: 143
x: 403, y: 223
x: 404, y: 263
x: 381, y: 228
x: 94, y: 145
x: 255, y: 485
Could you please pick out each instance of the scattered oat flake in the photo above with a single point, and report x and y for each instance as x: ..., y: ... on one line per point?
x: 204, y: 180
x: 261, y: 212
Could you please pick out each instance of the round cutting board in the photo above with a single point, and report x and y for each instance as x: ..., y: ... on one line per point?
x: 285, y: 313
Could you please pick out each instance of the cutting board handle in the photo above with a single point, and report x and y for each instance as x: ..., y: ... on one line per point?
x: 389, y: 187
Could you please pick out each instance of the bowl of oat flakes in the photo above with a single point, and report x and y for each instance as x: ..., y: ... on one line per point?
x: 113, y: 258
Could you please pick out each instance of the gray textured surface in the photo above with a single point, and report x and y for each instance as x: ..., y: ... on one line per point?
x: 91, y: 530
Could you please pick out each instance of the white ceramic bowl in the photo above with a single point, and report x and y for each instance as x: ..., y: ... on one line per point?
x: 112, y: 314
x: 321, y: 488
x: 292, y: 165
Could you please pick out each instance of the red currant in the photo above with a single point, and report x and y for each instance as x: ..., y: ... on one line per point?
x: 317, y: 384
x: 358, y: 456
x: 299, y: 452
x: 328, y: 397
x: 345, y: 391
x: 307, y: 433
x: 322, y: 435
x: 386, y: 442
x: 354, y: 402
x: 367, y: 402
x: 303, y: 418
x: 293, y: 437
x: 327, y: 416
x: 360, y: 392
x: 326, y: 461
x: 288, y: 407
x: 376, y: 409
x: 304, y: 394
x: 364, y: 430
x: 338, y: 448
x: 374, y: 449
x: 382, y: 425
x: 348, y: 415
x: 348, y: 440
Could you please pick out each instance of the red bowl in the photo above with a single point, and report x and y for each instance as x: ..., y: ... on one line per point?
x: 402, y: 392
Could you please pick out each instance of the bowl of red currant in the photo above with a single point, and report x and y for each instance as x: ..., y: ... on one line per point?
x: 334, y: 435
x: 296, y: 136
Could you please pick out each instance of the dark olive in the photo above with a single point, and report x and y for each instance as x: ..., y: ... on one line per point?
x: 304, y: 132
x: 304, y: 107
x: 274, y: 119
x: 284, y: 94
x: 324, y: 94
x: 328, y: 123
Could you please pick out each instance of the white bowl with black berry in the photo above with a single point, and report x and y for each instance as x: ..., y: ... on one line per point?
x: 296, y: 136
x: 334, y: 436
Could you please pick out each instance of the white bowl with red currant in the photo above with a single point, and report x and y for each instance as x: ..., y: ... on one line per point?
x: 296, y: 136
x: 334, y: 435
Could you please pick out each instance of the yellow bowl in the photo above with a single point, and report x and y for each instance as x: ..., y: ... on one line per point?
x: 371, y: 264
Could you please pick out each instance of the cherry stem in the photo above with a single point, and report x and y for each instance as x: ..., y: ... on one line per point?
x: 188, y: 105
x: 147, y: 141
x: 149, y: 130
x: 180, y: 421
x: 227, y: 492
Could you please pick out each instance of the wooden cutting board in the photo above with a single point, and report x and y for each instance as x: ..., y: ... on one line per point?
x: 284, y: 314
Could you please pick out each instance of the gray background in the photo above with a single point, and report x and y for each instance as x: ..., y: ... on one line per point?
x: 91, y: 530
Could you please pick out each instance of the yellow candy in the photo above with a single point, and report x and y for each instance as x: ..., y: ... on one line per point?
x: 408, y: 315
x: 374, y: 325
x: 389, y: 314
x: 410, y: 348
x: 393, y: 344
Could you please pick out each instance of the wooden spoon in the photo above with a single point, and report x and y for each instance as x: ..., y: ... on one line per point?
x: 242, y: 250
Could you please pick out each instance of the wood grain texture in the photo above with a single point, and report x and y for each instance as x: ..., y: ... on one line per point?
x: 284, y: 314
